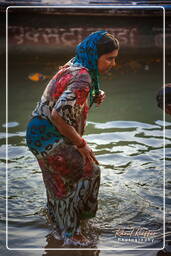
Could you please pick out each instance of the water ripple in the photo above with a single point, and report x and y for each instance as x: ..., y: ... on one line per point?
x: 131, y: 191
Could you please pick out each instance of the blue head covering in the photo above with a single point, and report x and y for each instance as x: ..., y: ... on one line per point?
x: 87, y: 56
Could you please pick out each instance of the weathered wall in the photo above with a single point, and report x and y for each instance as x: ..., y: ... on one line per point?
x: 61, y: 37
x: 36, y: 31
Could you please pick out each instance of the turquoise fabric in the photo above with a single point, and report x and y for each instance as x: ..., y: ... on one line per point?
x: 41, y: 135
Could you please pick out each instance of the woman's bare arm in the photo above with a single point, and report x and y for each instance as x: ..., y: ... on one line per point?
x: 65, y: 129
x: 70, y: 132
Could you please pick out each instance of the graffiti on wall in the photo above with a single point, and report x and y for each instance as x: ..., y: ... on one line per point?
x: 66, y: 37
x: 158, y: 39
x: 69, y: 37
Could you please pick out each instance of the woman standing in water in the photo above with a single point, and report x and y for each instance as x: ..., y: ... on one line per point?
x: 54, y: 135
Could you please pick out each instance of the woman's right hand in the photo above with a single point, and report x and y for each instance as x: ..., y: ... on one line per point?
x: 70, y: 132
x: 88, y: 154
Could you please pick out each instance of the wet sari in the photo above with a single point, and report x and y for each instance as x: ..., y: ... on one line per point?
x: 72, y: 185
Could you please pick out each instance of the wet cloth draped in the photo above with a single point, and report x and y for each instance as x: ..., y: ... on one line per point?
x: 71, y: 184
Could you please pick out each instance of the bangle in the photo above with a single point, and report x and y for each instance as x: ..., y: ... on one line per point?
x: 82, y: 144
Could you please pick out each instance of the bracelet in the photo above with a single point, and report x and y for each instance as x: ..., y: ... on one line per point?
x: 82, y: 144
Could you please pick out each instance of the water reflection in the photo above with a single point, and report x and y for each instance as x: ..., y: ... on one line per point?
x: 130, y: 197
x: 128, y: 141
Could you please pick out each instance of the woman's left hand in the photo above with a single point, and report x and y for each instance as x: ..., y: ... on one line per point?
x: 100, y: 98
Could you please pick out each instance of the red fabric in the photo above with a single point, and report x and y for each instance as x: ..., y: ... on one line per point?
x: 81, y: 95
x: 61, y: 85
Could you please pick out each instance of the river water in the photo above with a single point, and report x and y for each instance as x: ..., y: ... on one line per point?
x: 126, y: 133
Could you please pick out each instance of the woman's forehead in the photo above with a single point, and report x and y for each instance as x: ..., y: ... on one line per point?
x: 114, y: 53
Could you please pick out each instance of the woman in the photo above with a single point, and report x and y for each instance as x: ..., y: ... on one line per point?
x: 54, y: 135
x: 164, y: 94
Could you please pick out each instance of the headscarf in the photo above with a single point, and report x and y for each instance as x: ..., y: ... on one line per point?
x: 87, y: 56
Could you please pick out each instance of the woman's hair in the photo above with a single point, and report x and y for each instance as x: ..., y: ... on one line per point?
x: 106, y: 44
x: 160, y: 96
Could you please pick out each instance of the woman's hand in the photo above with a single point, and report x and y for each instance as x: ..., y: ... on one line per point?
x: 70, y: 132
x: 100, y: 98
x: 88, y: 154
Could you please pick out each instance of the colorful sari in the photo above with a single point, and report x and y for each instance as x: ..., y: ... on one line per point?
x: 72, y: 186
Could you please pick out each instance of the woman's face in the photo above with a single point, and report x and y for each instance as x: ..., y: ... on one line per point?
x: 107, y: 61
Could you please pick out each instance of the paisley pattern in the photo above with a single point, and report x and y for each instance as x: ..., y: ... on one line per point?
x: 72, y: 186
x: 67, y: 92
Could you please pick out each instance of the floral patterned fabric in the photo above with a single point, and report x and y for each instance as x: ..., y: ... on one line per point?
x: 67, y: 92
x: 72, y: 185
